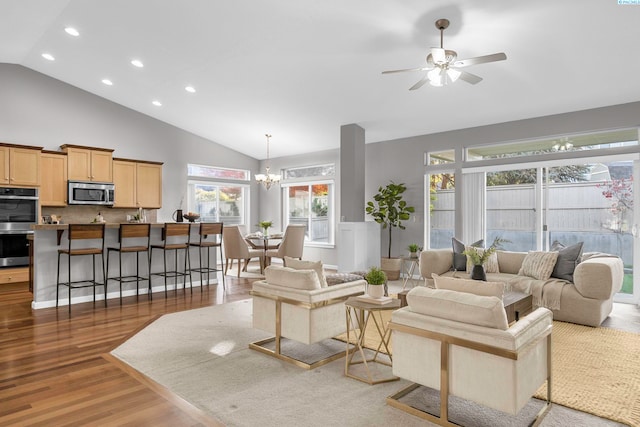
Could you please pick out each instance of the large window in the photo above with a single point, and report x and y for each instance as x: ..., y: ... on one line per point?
x: 216, y: 195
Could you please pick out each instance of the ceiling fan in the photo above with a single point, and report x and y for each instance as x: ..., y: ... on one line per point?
x: 442, y: 66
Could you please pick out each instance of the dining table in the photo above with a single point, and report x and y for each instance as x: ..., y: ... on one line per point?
x: 264, y: 242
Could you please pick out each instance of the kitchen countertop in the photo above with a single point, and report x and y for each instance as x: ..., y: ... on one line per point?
x: 114, y: 225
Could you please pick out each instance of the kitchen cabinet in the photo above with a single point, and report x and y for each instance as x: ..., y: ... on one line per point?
x: 53, y: 188
x: 88, y: 163
x: 14, y: 275
x: 20, y: 165
x: 149, y: 184
x: 124, y: 178
x: 138, y: 184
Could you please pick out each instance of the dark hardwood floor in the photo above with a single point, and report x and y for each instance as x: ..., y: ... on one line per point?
x: 55, y: 369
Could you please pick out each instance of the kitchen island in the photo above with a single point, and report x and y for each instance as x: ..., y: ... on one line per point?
x: 48, y: 238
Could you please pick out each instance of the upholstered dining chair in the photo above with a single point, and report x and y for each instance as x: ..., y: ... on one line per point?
x: 236, y: 248
x: 292, y: 244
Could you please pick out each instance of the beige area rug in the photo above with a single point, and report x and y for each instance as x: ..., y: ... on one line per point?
x: 202, y: 355
x: 595, y: 370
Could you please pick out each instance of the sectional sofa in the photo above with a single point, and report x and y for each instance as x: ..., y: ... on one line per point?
x: 587, y: 299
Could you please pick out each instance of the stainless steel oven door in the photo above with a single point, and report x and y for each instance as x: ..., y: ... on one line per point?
x: 14, y: 248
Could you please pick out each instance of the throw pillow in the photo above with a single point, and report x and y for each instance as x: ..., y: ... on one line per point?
x: 538, y: 264
x: 568, y: 259
x: 476, y: 287
x: 298, y: 264
x: 490, y: 265
x: 460, y: 259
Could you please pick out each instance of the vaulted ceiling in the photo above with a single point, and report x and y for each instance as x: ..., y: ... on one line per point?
x: 299, y: 69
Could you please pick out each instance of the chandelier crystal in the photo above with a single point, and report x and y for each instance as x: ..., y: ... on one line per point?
x: 267, y: 179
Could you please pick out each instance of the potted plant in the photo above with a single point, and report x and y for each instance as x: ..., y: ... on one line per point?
x: 265, y: 225
x: 413, y: 250
x: 479, y: 256
x: 376, y: 279
x: 389, y: 209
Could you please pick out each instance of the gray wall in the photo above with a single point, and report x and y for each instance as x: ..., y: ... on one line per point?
x: 38, y: 110
x: 41, y: 111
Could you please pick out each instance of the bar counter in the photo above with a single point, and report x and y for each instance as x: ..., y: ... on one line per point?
x: 48, y: 238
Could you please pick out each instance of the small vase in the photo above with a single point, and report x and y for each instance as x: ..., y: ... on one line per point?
x: 375, y: 291
x: 478, y: 273
x: 265, y: 231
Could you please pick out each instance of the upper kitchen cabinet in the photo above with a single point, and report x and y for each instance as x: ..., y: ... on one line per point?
x: 149, y: 184
x: 53, y: 191
x: 20, y: 165
x: 138, y: 184
x: 88, y: 163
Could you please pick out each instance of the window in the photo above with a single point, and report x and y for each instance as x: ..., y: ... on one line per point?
x: 311, y: 204
x: 214, y: 199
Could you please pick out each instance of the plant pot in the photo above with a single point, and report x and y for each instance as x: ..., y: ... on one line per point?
x: 413, y: 254
x: 391, y: 267
x: 375, y: 291
x: 478, y: 273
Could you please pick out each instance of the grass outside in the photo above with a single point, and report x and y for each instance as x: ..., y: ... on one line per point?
x: 627, y: 284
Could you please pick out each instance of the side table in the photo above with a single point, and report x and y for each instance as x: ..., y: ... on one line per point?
x: 358, y: 314
x: 409, y: 265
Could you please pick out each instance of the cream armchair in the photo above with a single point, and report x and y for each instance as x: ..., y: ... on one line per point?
x: 298, y: 305
x: 460, y: 344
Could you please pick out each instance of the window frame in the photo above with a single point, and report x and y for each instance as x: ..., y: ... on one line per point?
x: 285, y: 186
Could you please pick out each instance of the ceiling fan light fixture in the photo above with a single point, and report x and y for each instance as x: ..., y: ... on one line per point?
x: 453, y: 74
x: 436, y: 77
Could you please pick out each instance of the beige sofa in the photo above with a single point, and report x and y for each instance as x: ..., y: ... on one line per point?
x: 588, y: 300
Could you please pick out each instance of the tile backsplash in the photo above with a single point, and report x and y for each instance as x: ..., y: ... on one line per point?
x: 86, y: 214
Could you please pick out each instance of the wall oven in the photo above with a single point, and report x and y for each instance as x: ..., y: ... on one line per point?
x: 18, y: 211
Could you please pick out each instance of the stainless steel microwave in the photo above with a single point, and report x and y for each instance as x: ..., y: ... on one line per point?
x: 91, y: 193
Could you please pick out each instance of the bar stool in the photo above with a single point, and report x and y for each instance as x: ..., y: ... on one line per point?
x: 131, y: 231
x: 208, y: 230
x: 174, y: 231
x: 83, y: 232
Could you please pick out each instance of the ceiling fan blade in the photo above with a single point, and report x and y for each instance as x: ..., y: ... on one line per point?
x: 406, y: 70
x: 480, y: 60
x: 439, y: 55
x: 470, y: 78
x: 420, y: 83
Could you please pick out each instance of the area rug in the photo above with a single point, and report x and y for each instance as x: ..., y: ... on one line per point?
x: 202, y: 356
x: 596, y: 370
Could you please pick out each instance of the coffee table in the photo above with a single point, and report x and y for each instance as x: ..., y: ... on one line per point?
x: 516, y: 304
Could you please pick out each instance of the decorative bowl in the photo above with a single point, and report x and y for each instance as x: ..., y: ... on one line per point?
x: 191, y: 217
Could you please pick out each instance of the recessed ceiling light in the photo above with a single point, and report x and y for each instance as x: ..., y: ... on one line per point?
x: 72, y: 31
x: 107, y: 82
x: 48, y: 57
x: 157, y: 103
x: 190, y: 89
x: 137, y: 63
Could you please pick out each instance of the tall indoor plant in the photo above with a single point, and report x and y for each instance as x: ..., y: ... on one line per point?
x: 389, y: 209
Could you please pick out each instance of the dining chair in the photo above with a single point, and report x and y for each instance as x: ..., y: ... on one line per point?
x: 292, y: 244
x: 236, y: 248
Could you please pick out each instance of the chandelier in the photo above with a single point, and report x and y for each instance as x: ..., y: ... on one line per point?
x: 267, y: 179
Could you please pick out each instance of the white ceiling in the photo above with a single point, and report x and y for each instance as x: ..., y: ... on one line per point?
x: 299, y: 69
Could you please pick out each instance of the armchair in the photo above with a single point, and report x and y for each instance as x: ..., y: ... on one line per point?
x: 460, y: 344
x: 294, y: 304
